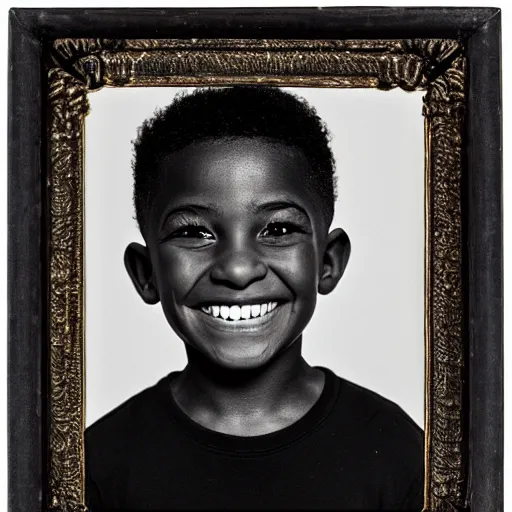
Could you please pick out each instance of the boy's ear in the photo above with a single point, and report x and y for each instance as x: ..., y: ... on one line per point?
x: 138, y: 265
x: 336, y: 255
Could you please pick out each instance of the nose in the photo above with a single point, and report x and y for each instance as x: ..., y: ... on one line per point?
x: 238, y: 268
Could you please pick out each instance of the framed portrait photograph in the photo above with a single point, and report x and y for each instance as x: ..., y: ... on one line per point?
x: 255, y: 259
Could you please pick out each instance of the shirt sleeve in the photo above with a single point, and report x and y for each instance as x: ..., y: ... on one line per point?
x: 410, y: 494
x: 92, y: 494
x: 414, y: 499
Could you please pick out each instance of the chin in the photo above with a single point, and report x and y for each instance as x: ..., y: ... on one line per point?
x: 242, y: 360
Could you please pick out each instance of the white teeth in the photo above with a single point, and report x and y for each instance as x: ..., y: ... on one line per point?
x: 234, y: 312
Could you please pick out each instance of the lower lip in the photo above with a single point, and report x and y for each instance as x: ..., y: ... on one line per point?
x: 248, y: 325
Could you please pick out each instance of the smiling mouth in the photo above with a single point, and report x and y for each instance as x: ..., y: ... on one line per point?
x: 239, y: 313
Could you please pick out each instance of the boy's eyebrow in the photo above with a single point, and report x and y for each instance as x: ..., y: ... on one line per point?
x: 280, y: 205
x: 190, y: 208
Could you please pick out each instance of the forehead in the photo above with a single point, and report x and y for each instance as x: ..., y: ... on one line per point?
x: 235, y: 174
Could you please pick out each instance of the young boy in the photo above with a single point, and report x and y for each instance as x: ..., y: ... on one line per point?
x: 234, y: 195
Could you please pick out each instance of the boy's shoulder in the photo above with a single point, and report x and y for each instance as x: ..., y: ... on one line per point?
x: 364, y: 410
x: 132, y: 415
x: 370, y: 401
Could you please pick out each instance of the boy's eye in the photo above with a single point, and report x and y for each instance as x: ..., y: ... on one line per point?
x: 280, y: 229
x: 191, y: 236
x: 193, y: 232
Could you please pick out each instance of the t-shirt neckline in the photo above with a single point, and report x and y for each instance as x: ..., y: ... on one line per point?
x: 264, y: 443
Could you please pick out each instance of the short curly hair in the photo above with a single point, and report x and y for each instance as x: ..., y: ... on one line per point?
x: 227, y: 112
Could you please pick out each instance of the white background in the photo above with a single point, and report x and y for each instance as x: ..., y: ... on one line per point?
x: 369, y: 330
x: 507, y: 66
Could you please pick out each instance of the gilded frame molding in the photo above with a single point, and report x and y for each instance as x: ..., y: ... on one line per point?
x: 435, y: 66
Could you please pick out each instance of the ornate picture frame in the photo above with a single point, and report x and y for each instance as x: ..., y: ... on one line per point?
x: 60, y: 56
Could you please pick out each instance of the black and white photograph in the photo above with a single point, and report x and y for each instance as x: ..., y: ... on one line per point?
x: 255, y: 298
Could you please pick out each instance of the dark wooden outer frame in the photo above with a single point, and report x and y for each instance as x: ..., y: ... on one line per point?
x: 31, y: 32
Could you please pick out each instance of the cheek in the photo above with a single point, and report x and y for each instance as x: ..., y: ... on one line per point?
x: 298, y: 266
x: 178, y: 270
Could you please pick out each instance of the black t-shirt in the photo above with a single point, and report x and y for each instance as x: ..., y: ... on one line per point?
x: 353, y: 450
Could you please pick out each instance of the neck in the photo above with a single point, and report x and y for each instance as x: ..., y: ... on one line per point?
x: 229, y: 400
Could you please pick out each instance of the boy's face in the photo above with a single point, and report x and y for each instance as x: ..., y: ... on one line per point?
x: 237, y: 249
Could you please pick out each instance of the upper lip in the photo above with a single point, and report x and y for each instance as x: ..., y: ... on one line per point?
x: 239, y: 301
